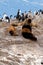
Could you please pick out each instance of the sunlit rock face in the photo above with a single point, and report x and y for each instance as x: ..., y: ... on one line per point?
x: 16, y: 50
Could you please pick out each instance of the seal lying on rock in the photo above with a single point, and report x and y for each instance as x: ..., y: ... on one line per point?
x: 12, y: 30
x: 27, y: 30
